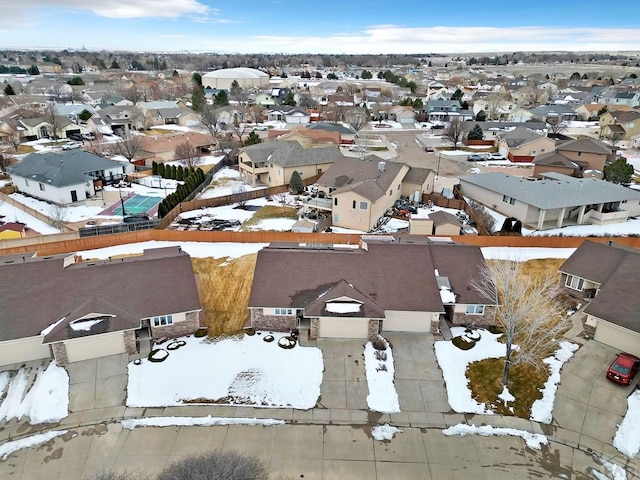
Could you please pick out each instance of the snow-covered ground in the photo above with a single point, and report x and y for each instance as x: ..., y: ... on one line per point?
x: 207, y: 421
x: 71, y: 213
x: 8, y: 448
x: 274, y: 224
x: 46, y: 401
x: 255, y: 372
x: 384, y: 432
x: 226, y: 182
x: 454, y: 362
x: 533, y: 440
x: 9, y: 213
x: 380, y: 374
x: 627, y: 438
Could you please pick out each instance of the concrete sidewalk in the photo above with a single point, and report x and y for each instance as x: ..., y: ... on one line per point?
x: 333, y: 440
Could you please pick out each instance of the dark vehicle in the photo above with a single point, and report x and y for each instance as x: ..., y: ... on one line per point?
x: 408, y: 208
x: 623, y: 369
x: 474, y: 157
x: 75, y: 136
x: 429, y: 149
x: 140, y: 217
x: 437, y: 127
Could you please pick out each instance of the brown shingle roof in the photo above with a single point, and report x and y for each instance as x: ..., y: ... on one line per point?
x: 38, y: 292
x: 585, y: 145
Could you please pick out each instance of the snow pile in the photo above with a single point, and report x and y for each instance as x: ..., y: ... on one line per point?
x: 8, y: 448
x: 46, y: 401
x: 84, y: 325
x: 446, y: 295
x: 274, y: 224
x: 48, y: 330
x: 232, y: 371
x: 207, y: 421
x: 454, y: 361
x: 384, y: 432
x: 342, y: 307
x: 506, y: 396
x: 627, y: 439
x: 380, y: 373
x: 541, y: 410
x: 533, y: 440
x: 616, y: 471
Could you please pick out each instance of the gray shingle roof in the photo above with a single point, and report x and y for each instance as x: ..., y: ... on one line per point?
x: 521, y: 136
x: 62, y: 169
x: 585, y: 145
x: 554, y: 159
x: 556, y: 191
x: 292, y: 154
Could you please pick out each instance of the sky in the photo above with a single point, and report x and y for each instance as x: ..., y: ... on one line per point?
x: 327, y: 26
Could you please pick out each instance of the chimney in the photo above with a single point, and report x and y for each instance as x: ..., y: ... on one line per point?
x: 381, y: 166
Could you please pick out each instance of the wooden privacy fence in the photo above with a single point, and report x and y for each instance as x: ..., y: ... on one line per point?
x: 90, y: 243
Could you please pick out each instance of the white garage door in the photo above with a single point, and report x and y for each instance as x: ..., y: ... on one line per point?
x: 343, y: 327
x: 23, y: 350
x: 617, y: 337
x: 95, y: 346
x: 397, y: 321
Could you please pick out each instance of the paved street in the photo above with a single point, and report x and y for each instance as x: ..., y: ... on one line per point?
x: 333, y: 440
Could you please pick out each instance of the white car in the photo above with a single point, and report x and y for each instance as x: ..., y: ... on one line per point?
x: 71, y: 145
x: 495, y: 156
x: 261, y: 127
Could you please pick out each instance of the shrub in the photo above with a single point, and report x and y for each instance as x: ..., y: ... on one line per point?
x: 287, y: 342
x: 250, y: 331
x: 111, y: 475
x: 463, y: 343
x: 380, y: 355
x: 381, y: 367
x: 201, y: 332
x: 158, y: 355
x: 379, y: 343
x: 215, y: 466
x: 268, y: 338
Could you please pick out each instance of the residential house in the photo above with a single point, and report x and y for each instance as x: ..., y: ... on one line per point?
x: 495, y: 107
x: 290, y: 115
x: 606, y: 276
x: 9, y: 131
x: 46, y: 127
x: 401, y: 284
x: 554, y: 114
x: 347, y: 133
x: 442, y: 110
x: 584, y: 157
x: 162, y: 148
x: 628, y: 99
x: 264, y: 100
x: 117, y: 119
x: 523, y: 144
x: 555, y: 201
x: 67, y: 177
x: 494, y: 131
x: 619, y: 124
x: 95, y: 308
x: 589, y: 111
x: 306, y: 137
x: 358, y: 192
x: 73, y: 110
x: 403, y: 115
x: 11, y: 230
x: 272, y: 163
x: 171, y: 116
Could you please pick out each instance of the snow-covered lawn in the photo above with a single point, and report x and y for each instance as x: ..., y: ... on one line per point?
x: 15, y: 214
x: 232, y: 371
x: 454, y: 362
x: 274, y: 224
x: 70, y: 213
x: 380, y: 374
x: 533, y: 440
x: 46, y: 401
x: 207, y: 421
x: 226, y: 182
x: 195, y: 249
x: 627, y: 439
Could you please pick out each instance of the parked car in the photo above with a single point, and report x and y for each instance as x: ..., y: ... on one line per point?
x: 429, y: 149
x: 75, y: 136
x: 496, y: 156
x: 88, y: 136
x: 408, y: 208
x: 474, y: 157
x: 71, y: 145
x: 623, y: 369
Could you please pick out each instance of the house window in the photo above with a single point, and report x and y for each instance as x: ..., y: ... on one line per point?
x: 363, y: 205
x: 475, y: 309
x: 391, y: 192
x: 533, y: 152
x: 41, y: 185
x: 509, y: 200
x: 335, y: 201
x: 284, y: 311
x: 162, y: 320
x: 353, y: 205
x: 335, y: 218
x: 574, y: 283
x: 399, y: 187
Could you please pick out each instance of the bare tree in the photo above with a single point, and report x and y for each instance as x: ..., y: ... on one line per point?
x: 528, y: 311
x: 494, y: 103
x: 128, y: 146
x: 216, y: 466
x: 58, y: 215
x: 5, y: 162
x: 357, y: 120
x: 455, y: 131
x: 210, y: 120
x: 555, y: 128
x: 188, y: 154
x: 237, y: 189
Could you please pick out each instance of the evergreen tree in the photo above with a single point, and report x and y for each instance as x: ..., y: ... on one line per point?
x: 476, y: 133
x: 198, y: 99
x: 115, y: 65
x: 252, y: 139
x: 180, y: 173
x: 618, y: 171
x: 221, y: 99
x: 85, y: 115
x: 161, y: 170
x: 8, y: 90
x: 34, y: 70
x: 296, y: 185
x: 154, y: 168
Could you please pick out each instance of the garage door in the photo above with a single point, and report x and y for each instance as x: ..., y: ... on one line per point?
x: 343, y: 327
x: 95, y: 346
x: 397, y: 321
x: 617, y: 337
x: 23, y: 350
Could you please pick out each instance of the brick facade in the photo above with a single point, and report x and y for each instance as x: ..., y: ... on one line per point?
x: 130, y: 341
x: 314, y: 331
x: 488, y: 318
x: 60, y: 353
x: 177, y: 329
x: 276, y: 323
x: 373, y: 328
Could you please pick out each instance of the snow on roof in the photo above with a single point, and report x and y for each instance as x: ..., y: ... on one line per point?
x: 343, y: 307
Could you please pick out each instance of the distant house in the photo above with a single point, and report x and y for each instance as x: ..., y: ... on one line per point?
x: 12, y: 230
x: 306, y: 137
x: 172, y: 116
x: 358, y: 192
x: 387, y: 285
x: 584, y: 157
x: 496, y: 130
x: 629, y: 99
x: 45, y: 127
x: 554, y: 114
x: 272, y: 163
x: 162, y: 148
x: 67, y: 177
x: 288, y: 114
x: 606, y: 276
x: 523, y: 144
x: 117, y: 119
x: 92, y: 309
x: 554, y: 201
x: 589, y: 111
x: 620, y: 124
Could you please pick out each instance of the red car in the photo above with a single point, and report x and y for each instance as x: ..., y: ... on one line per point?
x: 623, y: 368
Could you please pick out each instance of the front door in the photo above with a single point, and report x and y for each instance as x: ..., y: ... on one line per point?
x: 74, y: 196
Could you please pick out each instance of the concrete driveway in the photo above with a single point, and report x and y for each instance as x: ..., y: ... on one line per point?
x: 333, y: 440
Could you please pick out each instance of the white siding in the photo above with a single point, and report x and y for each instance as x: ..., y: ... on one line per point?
x: 53, y: 194
x: 95, y: 346
x: 23, y: 350
x: 402, y: 321
x: 343, y: 327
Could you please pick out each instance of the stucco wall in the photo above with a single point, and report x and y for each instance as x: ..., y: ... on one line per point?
x: 23, y: 350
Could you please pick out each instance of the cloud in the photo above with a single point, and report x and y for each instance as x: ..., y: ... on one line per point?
x: 397, y: 39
